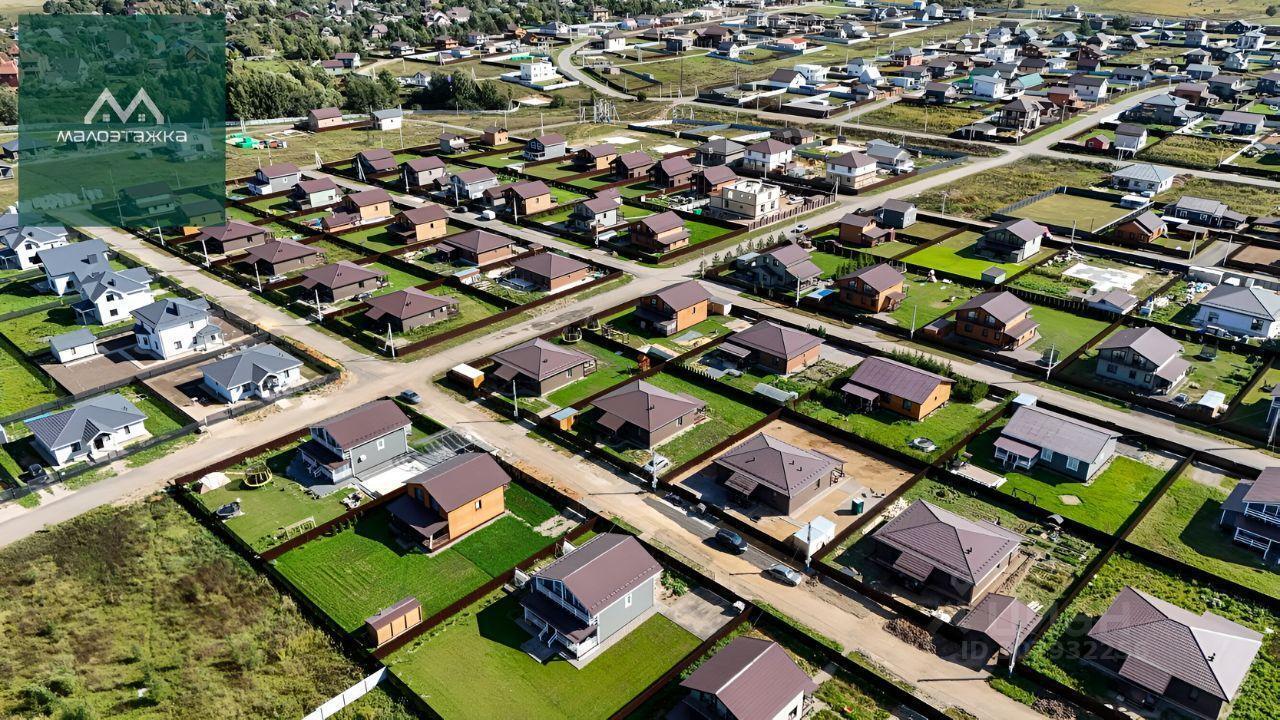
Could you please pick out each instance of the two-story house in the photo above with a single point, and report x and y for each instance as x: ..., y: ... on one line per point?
x: 786, y: 267
x: 452, y: 498
x: 545, y: 147
x: 673, y: 309
x: 354, y: 445
x: 874, y: 288
x: 747, y: 198
x: 663, y: 232
x: 593, y: 215
x: 851, y: 170
x: 1012, y: 241
x: 999, y: 319
x: 1251, y: 514
x: 423, y: 172
x: 1142, y: 358
x: 768, y: 156
x: 414, y: 225
x: 595, y: 157
x: 108, y: 297
x: 588, y: 596
x: 275, y: 178
x: 172, y: 327
x: 21, y: 245
x: 67, y: 265
x: 471, y: 184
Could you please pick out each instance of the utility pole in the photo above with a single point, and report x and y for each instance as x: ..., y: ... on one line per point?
x: 915, y: 307
x: 515, y: 399
x: 1052, y: 350
x: 391, y: 342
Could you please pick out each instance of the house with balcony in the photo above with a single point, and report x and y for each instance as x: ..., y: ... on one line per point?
x: 590, y: 596
x: 353, y: 445
x: 1012, y: 241
x: 452, y: 498
x: 787, y: 267
x: 673, y: 309
x: 999, y: 319
x: 768, y: 156
x: 851, y: 170
x: 660, y: 233
x: 108, y: 297
x: 749, y: 198
x: 175, y: 326
x: 874, y: 288
x: 1145, y: 359
x: 1251, y: 514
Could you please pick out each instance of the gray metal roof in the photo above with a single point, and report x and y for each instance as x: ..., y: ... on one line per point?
x: 1252, y: 301
x: 540, y: 359
x: 601, y: 571
x: 1161, y: 641
x: 124, y: 281
x: 171, y: 312
x: 779, y: 465
x: 753, y: 678
x: 897, y: 379
x: 1144, y: 171
x: 1148, y: 342
x: 251, y: 365
x: 773, y: 339
x: 77, y: 259
x: 1042, y: 428
x: 942, y: 540
x: 76, y: 338
x: 84, y: 421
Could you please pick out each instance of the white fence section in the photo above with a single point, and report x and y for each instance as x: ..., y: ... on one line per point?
x: 348, y: 696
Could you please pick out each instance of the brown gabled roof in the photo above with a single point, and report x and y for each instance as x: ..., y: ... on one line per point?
x: 550, y: 265
x: 405, y: 304
x: 314, y: 186
x: 477, y: 241
x: 662, y: 222
x: 752, y: 677
x: 372, y: 196
x: 278, y: 170
x: 647, y: 406
x: 424, y: 164
x: 783, y: 467
x: 531, y: 189
x: 1003, y: 619
x: 675, y: 166
x: 360, y: 425
x: 540, y: 359
x: 603, y: 570
x: 769, y: 147
x: 462, y: 479
x: 385, y: 616
x: 897, y: 379
x: 777, y: 340
x: 719, y: 174
x: 278, y: 251
x: 1162, y: 641
x: 1149, y: 222
x: 634, y: 159
x: 550, y: 139
x: 339, y: 274
x: 940, y: 539
x: 853, y: 160
x: 325, y: 113
x: 879, y: 277
x: 233, y: 230
x: 599, y: 151
x: 683, y: 295
x: 378, y: 158
x: 1004, y: 306
x: 430, y: 212
x: 466, y: 177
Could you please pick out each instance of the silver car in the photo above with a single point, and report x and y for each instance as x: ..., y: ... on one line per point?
x: 784, y: 575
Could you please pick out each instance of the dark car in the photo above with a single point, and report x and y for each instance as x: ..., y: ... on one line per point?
x: 411, y: 397
x: 731, y: 541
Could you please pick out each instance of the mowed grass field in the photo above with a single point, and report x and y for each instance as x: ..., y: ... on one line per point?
x: 981, y: 194
x: 1063, y: 210
x: 22, y: 384
x: 473, y: 667
x: 357, y: 572
x: 957, y: 254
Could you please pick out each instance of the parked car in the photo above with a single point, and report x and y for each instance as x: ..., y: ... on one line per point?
x: 784, y: 575
x: 410, y: 396
x: 731, y: 541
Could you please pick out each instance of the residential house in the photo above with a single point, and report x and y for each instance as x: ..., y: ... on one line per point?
x: 148, y: 200
x: 852, y: 170
x: 1249, y: 311
x: 1020, y: 114
x: 1130, y: 137
x: 420, y: 172
x: 785, y: 78
x: 477, y: 247
x: 778, y: 349
x: 631, y: 165
x: 274, y: 178
x: 233, y: 237
x: 1268, y: 84
x: 723, y: 151
x: 341, y: 280
x: 1089, y: 88
x: 354, y: 445
x: 593, y: 215
x: 278, y: 257
x: 767, y: 156
x: 747, y: 198
x: 1012, y: 241
x: 763, y: 469
x: 1166, y: 658
x: 538, y: 367
x: 174, y: 326
x: 1194, y: 93
x: 261, y: 371
x: 1142, y: 228
x: 672, y: 172
x: 1241, y: 123
x: 314, y: 194
x: 1204, y: 213
x: 544, y: 147
x: 749, y: 679
x: 109, y: 296
x: 1251, y: 513
x: 897, y: 214
x: 1143, y: 178
x: 796, y: 136
x: 595, y: 157
x: 874, y: 288
x: 452, y: 498
x: 373, y: 162
x: 787, y: 267
x: 891, y: 158
x: 366, y: 206
x: 388, y: 119
x: 933, y: 549
x: 1142, y: 358
x: 88, y: 431
x: 711, y: 180
x: 528, y: 198
x: 586, y: 598
x: 862, y: 231
x: 1002, y: 622
x: 451, y: 143
x: 881, y: 383
x: 21, y: 245
x: 659, y: 233
x: 403, y: 310
x: 1227, y: 87
x: 673, y: 309
x: 642, y: 414
x: 999, y: 319
x: 65, y: 266
x: 548, y: 272
x: 493, y: 136
x: 1035, y: 437
x: 907, y: 56
x: 323, y: 119
x: 419, y: 224
x: 471, y: 184
x: 75, y: 345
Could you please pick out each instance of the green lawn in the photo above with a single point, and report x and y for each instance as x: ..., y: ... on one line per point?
x: 1065, y: 210
x: 22, y: 295
x: 611, y: 369
x: 925, y: 230
x: 980, y: 194
x: 624, y: 321
x: 363, y: 569
x: 1188, y: 151
x: 31, y: 332
x: 1250, y: 416
x: 489, y: 675
x: 1247, y: 199
x: 22, y: 384
x: 944, y: 426
x: 1048, y: 279
x: 1056, y: 654
x: 1104, y: 503
x: 940, y: 120
x: 957, y: 255
x: 1062, y: 331
x: 1184, y: 525
x: 471, y: 308
x: 1227, y: 372
x: 928, y: 301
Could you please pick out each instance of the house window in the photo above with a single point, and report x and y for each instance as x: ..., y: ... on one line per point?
x: 479, y: 504
x: 626, y: 601
x: 1111, y: 369
x: 177, y: 344
x: 1073, y: 464
x: 1046, y: 454
x: 382, y: 444
x: 906, y: 404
